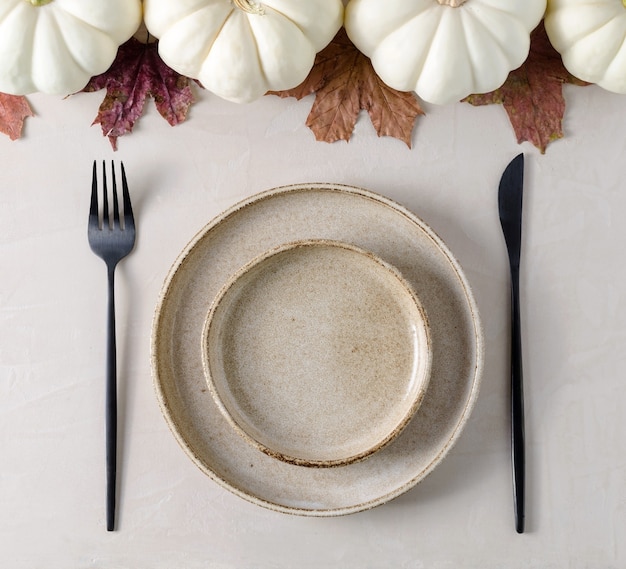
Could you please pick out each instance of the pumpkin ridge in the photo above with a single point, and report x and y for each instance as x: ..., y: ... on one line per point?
x: 421, y: 62
x: 485, y: 30
x: 620, y: 48
x: 78, y: 21
x: 492, y: 8
x: 597, y: 29
x: 6, y: 10
x: 279, y: 15
x: 476, y: 15
x: 283, y: 15
x: 209, y: 47
x: 256, y: 46
x: 71, y: 9
x: 420, y: 68
x: 231, y: 14
x: 594, y: 32
x: 55, y: 18
x: 467, y: 15
x: 13, y: 13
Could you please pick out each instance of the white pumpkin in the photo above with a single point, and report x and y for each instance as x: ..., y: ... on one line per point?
x: 444, y: 50
x: 240, y: 49
x: 56, y: 46
x: 589, y: 35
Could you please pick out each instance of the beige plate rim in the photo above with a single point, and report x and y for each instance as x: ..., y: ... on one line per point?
x: 246, y: 487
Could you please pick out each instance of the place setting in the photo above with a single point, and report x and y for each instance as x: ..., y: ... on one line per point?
x: 316, y: 348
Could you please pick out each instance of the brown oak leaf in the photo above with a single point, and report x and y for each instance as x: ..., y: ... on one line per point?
x: 344, y: 82
x: 14, y: 109
x: 137, y: 73
x: 533, y: 94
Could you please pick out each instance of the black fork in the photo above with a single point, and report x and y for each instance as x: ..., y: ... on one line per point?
x: 111, y: 237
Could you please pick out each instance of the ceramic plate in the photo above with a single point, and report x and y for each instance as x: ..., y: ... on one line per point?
x: 271, y: 219
x: 318, y: 352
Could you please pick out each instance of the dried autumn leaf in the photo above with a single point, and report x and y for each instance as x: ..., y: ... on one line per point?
x: 533, y: 94
x: 14, y: 109
x: 138, y: 72
x: 344, y: 82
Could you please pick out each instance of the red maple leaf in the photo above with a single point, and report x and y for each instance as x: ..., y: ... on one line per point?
x: 139, y: 72
x: 14, y: 109
x: 344, y: 82
x: 533, y: 94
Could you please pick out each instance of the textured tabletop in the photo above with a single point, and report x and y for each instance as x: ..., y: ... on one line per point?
x: 52, y: 340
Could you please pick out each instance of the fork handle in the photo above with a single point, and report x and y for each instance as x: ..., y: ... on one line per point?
x: 111, y: 403
x: 517, y: 406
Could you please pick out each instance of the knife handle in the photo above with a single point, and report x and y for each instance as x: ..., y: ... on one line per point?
x: 518, y: 457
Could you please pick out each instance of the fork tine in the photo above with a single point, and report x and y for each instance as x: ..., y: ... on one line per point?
x: 93, y: 209
x: 129, y: 220
x: 116, y: 207
x: 105, y: 199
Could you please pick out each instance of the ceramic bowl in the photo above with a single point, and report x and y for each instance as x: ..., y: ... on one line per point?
x: 317, y: 352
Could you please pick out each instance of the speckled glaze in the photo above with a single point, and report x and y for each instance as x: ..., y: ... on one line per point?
x: 271, y: 219
x: 317, y: 352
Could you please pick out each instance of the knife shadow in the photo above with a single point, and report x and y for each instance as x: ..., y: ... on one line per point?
x: 128, y: 313
x: 481, y: 456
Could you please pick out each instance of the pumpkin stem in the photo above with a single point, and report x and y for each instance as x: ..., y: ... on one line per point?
x: 249, y: 6
x: 457, y: 3
x: 39, y: 2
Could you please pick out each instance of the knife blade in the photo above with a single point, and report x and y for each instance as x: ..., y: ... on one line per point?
x: 510, y: 195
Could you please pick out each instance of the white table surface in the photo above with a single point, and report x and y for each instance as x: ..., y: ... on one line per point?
x: 52, y: 340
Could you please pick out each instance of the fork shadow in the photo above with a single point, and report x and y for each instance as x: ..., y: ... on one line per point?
x: 127, y: 312
x: 125, y: 386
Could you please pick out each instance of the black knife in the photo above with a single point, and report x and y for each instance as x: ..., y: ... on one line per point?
x: 510, y: 207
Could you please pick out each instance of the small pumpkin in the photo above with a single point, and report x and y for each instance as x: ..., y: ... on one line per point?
x: 56, y: 46
x: 589, y: 35
x: 444, y: 50
x: 240, y: 49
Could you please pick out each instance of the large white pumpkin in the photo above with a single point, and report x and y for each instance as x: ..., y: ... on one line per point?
x: 589, y: 35
x: 56, y: 46
x: 444, y: 50
x: 240, y: 49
